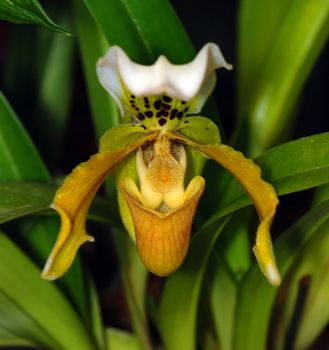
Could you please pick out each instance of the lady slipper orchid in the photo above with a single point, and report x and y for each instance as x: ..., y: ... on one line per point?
x: 153, y: 155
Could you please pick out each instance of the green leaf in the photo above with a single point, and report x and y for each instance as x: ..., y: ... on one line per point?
x: 144, y: 32
x: 21, y: 326
x: 304, y: 310
x: 235, y: 242
x: 93, y: 44
x: 120, y: 340
x: 278, y: 46
x: 179, y: 302
x: 10, y: 339
x: 41, y: 235
x: 96, y: 320
x: 39, y: 317
x: 290, y: 167
x: 18, y: 199
x: 223, y: 297
x: 256, y: 296
x: 321, y: 194
x: 258, y: 24
x: 54, y: 55
x: 20, y: 160
x: 21, y: 198
x: 134, y: 275
x: 27, y: 11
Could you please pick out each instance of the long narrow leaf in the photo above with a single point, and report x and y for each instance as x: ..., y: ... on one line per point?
x: 256, y: 296
x: 10, y: 339
x: 258, y: 24
x: 179, y: 302
x: 18, y: 199
x: 121, y: 340
x: 45, y: 306
x: 19, y: 160
x: 93, y: 44
x: 290, y: 167
x: 134, y: 276
x: 223, y: 294
x: 144, y: 32
x: 304, y: 311
x: 18, y: 157
x: 273, y: 75
x: 27, y: 11
x: 55, y: 88
x: 96, y: 317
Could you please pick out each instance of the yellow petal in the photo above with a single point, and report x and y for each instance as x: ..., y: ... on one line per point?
x: 72, y: 201
x: 262, y: 194
x: 162, y: 239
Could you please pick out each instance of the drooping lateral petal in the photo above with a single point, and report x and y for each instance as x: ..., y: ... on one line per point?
x: 162, y: 239
x: 262, y: 194
x: 72, y: 201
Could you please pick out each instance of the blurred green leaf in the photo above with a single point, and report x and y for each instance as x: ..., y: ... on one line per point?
x: 279, y: 43
x: 93, y: 44
x: 304, y: 310
x: 143, y: 31
x: 258, y: 24
x: 321, y: 194
x: 118, y: 339
x: 38, y: 238
x: 290, y: 167
x: 23, y: 198
x: 235, y: 242
x: 55, y: 87
x: 10, y: 339
x: 22, y: 327
x: 256, y: 296
x: 134, y: 275
x: 27, y: 11
x: 45, y: 317
x: 223, y: 294
x: 20, y: 160
x: 96, y: 321
x: 179, y: 302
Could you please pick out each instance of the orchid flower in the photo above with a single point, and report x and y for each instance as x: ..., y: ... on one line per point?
x: 157, y: 159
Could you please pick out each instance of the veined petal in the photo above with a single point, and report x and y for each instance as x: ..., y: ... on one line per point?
x: 195, y: 80
x: 262, y: 194
x: 72, y: 201
x: 162, y: 239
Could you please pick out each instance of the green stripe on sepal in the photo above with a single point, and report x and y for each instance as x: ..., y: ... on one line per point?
x: 121, y: 136
x: 203, y: 131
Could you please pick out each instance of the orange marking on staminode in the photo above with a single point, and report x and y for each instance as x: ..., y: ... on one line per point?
x: 165, y: 178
